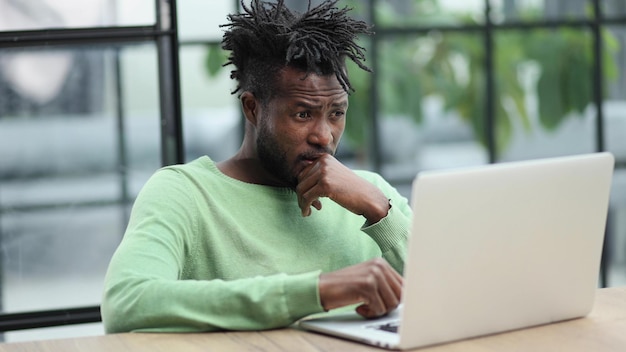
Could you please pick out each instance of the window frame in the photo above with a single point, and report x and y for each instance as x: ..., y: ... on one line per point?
x: 164, y: 34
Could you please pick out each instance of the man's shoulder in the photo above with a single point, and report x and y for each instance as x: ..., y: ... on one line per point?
x: 200, y: 164
x: 201, y: 167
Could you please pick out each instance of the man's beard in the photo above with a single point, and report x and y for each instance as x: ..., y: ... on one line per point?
x: 274, y: 158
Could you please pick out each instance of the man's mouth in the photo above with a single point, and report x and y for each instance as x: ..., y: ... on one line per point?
x: 306, y: 159
x: 312, y: 156
x: 310, y: 159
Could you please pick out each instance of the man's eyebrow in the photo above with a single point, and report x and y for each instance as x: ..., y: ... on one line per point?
x: 338, y: 105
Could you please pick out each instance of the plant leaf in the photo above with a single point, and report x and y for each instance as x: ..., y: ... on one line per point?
x: 214, y: 59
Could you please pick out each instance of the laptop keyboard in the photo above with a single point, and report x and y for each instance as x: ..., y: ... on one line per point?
x: 390, y: 327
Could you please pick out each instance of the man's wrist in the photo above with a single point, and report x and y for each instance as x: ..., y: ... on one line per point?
x: 378, y: 214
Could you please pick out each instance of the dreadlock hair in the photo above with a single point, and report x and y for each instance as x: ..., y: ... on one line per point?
x: 267, y: 37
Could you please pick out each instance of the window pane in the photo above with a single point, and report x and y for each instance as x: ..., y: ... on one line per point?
x: 544, y: 102
x: 539, y: 10
x: 430, y: 12
x: 432, y: 104
x: 355, y: 147
x: 615, y: 96
x: 211, y: 121
x: 614, y: 127
x: 45, y: 14
x: 71, y: 167
x: 56, y: 332
x: 613, y: 8
x: 200, y: 19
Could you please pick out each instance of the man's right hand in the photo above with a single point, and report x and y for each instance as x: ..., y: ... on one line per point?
x: 374, y: 283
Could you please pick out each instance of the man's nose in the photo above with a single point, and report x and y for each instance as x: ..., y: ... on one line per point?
x: 321, y: 133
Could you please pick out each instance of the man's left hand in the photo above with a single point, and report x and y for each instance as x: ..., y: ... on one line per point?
x: 327, y: 177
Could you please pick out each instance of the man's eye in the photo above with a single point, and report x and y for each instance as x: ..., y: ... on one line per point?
x: 339, y: 114
x: 303, y: 115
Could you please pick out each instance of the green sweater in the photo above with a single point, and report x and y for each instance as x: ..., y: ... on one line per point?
x: 206, y: 252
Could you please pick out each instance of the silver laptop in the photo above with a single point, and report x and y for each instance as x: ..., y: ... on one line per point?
x: 494, y: 248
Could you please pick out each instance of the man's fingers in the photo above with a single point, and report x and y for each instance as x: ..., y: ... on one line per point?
x: 365, y: 311
x: 306, y: 211
x: 387, y: 293
x: 306, y: 207
x: 374, y: 284
x: 396, y: 281
x: 303, y: 189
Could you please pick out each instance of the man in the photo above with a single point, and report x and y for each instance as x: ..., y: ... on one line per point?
x: 282, y: 229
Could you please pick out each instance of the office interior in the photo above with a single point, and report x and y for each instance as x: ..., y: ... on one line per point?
x: 95, y: 95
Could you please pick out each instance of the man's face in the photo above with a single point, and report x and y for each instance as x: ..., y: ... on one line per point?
x: 304, y: 120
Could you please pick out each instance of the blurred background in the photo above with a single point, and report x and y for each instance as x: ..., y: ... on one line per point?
x: 95, y: 95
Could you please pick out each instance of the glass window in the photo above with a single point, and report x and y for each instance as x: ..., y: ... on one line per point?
x: 47, y: 14
x: 75, y: 151
x: 613, y: 8
x: 355, y: 148
x: 544, y: 102
x: 211, y: 117
x: 200, y: 19
x: 56, y: 332
x: 211, y: 114
x: 430, y: 12
x: 614, y: 110
x: 614, y: 64
x: 432, y: 103
x: 540, y: 10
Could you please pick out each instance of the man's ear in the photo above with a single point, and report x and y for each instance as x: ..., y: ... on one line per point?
x: 250, y: 106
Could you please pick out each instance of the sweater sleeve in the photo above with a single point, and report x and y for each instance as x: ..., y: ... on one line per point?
x: 391, y: 232
x: 144, y: 286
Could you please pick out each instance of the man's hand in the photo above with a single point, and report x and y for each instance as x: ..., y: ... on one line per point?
x: 374, y: 283
x: 327, y: 177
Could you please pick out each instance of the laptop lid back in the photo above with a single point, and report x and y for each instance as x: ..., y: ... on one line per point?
x: 504, y: 246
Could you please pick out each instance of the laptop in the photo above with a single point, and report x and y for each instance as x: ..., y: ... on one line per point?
x: 493, y: 248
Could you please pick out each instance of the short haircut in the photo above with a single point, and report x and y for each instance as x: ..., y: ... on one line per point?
x: 268, y: 36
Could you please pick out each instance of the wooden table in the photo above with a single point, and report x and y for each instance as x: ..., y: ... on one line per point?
x: 603, y: 330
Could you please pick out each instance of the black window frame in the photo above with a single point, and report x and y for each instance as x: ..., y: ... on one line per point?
x: 164, y: 34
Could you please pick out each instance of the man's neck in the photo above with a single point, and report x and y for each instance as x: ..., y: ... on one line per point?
x: 246, y: 168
